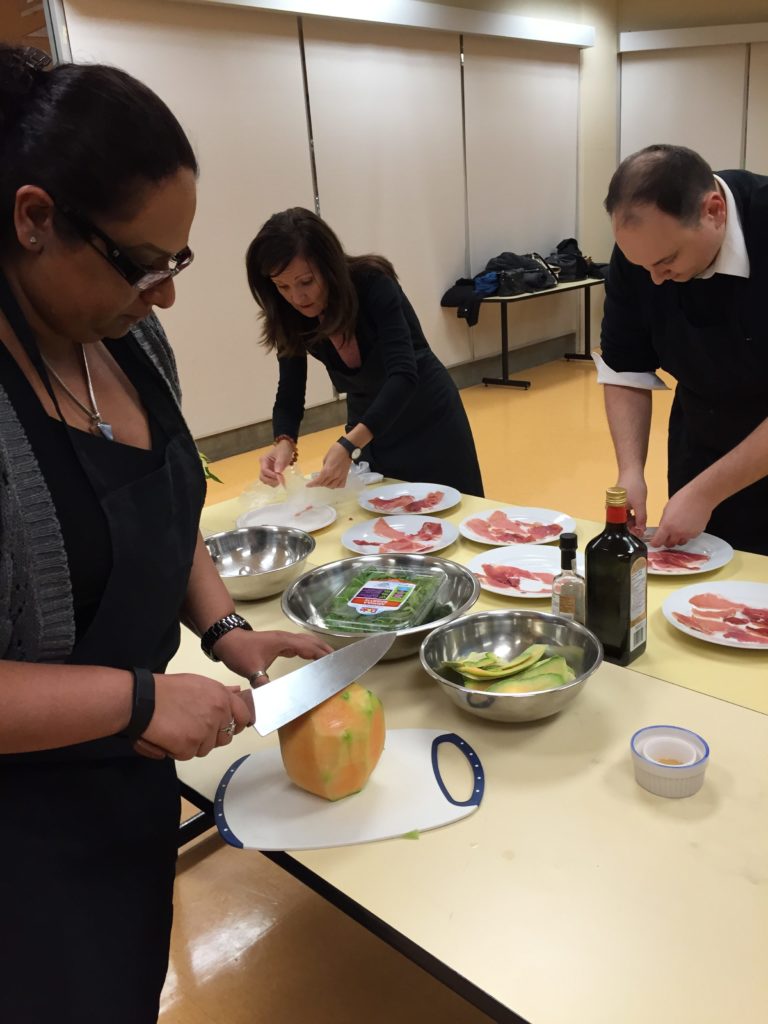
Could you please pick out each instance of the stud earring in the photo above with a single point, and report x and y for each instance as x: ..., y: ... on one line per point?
x: 33, y: 239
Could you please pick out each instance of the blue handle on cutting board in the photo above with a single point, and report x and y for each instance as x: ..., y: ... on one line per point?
x: 478, y: 775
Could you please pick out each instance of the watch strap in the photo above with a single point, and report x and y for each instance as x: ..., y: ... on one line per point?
x: 351, y: 449
x: 143, y: 706
x: 219, y: 629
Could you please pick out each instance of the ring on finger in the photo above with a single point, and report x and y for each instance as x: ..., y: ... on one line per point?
x: 229, y: 728
x: 258, y: 676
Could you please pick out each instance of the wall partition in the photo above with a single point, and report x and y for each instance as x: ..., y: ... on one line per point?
x: 706, y: 88
x: 521, y: 129
x: 388, y: 135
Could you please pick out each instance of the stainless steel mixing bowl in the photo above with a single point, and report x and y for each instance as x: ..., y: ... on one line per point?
x: 306, y: 599
x: 259, y: 561
x: 506, y: 634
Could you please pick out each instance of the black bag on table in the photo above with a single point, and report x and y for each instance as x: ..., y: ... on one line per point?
x: 536, y: 275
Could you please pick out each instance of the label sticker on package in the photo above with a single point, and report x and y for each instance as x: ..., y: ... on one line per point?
x: 378, y: 596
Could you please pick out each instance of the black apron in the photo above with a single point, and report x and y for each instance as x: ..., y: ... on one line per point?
x: 720, y: 359
x: 430, y: 440
x: 90, y: 831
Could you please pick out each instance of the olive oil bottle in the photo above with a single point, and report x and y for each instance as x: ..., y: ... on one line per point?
x: 617, y: 584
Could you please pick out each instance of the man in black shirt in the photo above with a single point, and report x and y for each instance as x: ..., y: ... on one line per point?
x: 686, y: 293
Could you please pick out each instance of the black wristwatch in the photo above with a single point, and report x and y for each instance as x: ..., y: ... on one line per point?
x: 219, y: 629
x: 353, y: 452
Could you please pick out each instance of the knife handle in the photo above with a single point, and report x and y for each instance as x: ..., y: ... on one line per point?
x: 478, y: 775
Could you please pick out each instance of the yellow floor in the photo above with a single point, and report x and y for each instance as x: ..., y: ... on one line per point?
x: 250, y: 944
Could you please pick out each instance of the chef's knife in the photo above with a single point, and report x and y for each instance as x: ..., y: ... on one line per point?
x: 284, y: 699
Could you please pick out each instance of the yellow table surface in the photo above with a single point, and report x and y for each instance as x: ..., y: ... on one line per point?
x: 572, y: 895
x: 739, y: 676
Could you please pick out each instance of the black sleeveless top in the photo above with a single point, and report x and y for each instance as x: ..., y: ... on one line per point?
x: 83, y: 525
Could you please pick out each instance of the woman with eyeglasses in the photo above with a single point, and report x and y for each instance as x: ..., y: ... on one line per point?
x: 404, y: 413
x: 101, y: 489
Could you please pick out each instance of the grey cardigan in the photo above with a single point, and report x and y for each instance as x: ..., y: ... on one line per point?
x: 37, y: 621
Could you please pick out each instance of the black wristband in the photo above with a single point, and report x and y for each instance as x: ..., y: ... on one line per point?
x: 219, y: 629
x: 143, y: 707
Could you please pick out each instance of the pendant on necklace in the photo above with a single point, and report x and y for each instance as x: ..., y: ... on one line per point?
x: 106, y: 430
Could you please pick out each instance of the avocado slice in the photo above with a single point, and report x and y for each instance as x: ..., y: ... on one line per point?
x: 549, y: 666
x: 545, y: 681
x: 489, y: 667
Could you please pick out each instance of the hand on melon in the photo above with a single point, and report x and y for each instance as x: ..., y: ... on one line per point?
x: 332, y: 750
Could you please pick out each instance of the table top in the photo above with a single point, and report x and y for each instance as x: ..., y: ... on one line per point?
x: 734, y: 675
x: 572, y: 894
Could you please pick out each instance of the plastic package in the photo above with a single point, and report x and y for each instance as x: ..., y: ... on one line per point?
x: 382, y: 600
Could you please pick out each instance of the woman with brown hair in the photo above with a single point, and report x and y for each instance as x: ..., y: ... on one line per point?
x: 404, y: 413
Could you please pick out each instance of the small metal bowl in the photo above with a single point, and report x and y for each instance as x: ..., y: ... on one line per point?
x: 507, y: 634
x: 305, y: 600
x: 258, y: 561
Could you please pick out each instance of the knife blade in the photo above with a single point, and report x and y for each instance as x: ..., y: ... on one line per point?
x: 281, y: 700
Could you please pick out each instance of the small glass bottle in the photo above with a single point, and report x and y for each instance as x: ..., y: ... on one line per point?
x: 617, y: 584
x: 568, y: 589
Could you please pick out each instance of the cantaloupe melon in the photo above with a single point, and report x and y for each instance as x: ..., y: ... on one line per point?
x: 332, y: 749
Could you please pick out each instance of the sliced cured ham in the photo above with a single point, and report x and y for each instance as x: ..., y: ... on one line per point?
x: 509, y: 577
x: 712, y: 601
x: 670, y: 560
x: 498, y: 528
x: 400, y: 541
x: 392, y: 504
x: 714, y: 615
x: 425, y: 504
x: 383, y: 529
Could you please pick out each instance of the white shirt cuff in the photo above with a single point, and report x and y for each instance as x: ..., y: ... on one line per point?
x: 627, y: 378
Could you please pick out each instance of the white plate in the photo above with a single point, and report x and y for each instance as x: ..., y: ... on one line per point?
x: 533, y: 558
x: 408, y: 525
x: 719, y: 551
x: 545, y: 516
x: 754, y: 595
x: 450, y: 498
x: 307, y: 518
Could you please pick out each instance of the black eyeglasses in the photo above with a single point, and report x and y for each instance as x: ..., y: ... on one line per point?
x: 134, y: 273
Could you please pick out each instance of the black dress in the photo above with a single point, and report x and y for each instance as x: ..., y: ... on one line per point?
x: 712, y: 336
x: 90, y: 831
x: 401, y: 392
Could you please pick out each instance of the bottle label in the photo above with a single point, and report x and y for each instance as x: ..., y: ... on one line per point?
x: 564, y: 604
x: 638, y: 589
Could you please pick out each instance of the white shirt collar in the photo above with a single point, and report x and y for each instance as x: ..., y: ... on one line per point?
x: 732, y: 259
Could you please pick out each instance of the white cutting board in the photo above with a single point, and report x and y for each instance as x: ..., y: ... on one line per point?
x: 258, y: 807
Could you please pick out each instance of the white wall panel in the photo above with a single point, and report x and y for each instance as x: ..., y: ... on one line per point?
x: 757, y: 124
x: 691, y: 97
x: 386, y: 118
x: 522, y: 118
x: 233, y: 78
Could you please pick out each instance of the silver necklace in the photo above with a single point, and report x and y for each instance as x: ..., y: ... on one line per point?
x: 93, y: 413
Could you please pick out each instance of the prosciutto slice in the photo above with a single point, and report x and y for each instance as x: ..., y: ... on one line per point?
x: 714, y: 616
x: 508, y: 577
x: 670, y: 560
x: 498, y: 528
x: 407, y: 502
x: 398, y: 541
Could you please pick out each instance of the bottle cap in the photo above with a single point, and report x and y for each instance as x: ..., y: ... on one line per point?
x: 616, y: 497
x: 568, y: 542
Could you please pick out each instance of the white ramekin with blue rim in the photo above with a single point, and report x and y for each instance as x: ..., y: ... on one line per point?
x: 669, y: 761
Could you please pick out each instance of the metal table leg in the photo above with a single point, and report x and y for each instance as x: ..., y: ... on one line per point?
x: 585, y: 355
x: 198, y: 823
x: 504, y: 380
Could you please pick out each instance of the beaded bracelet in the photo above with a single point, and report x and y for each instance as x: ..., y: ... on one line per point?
x: 285, y: 437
